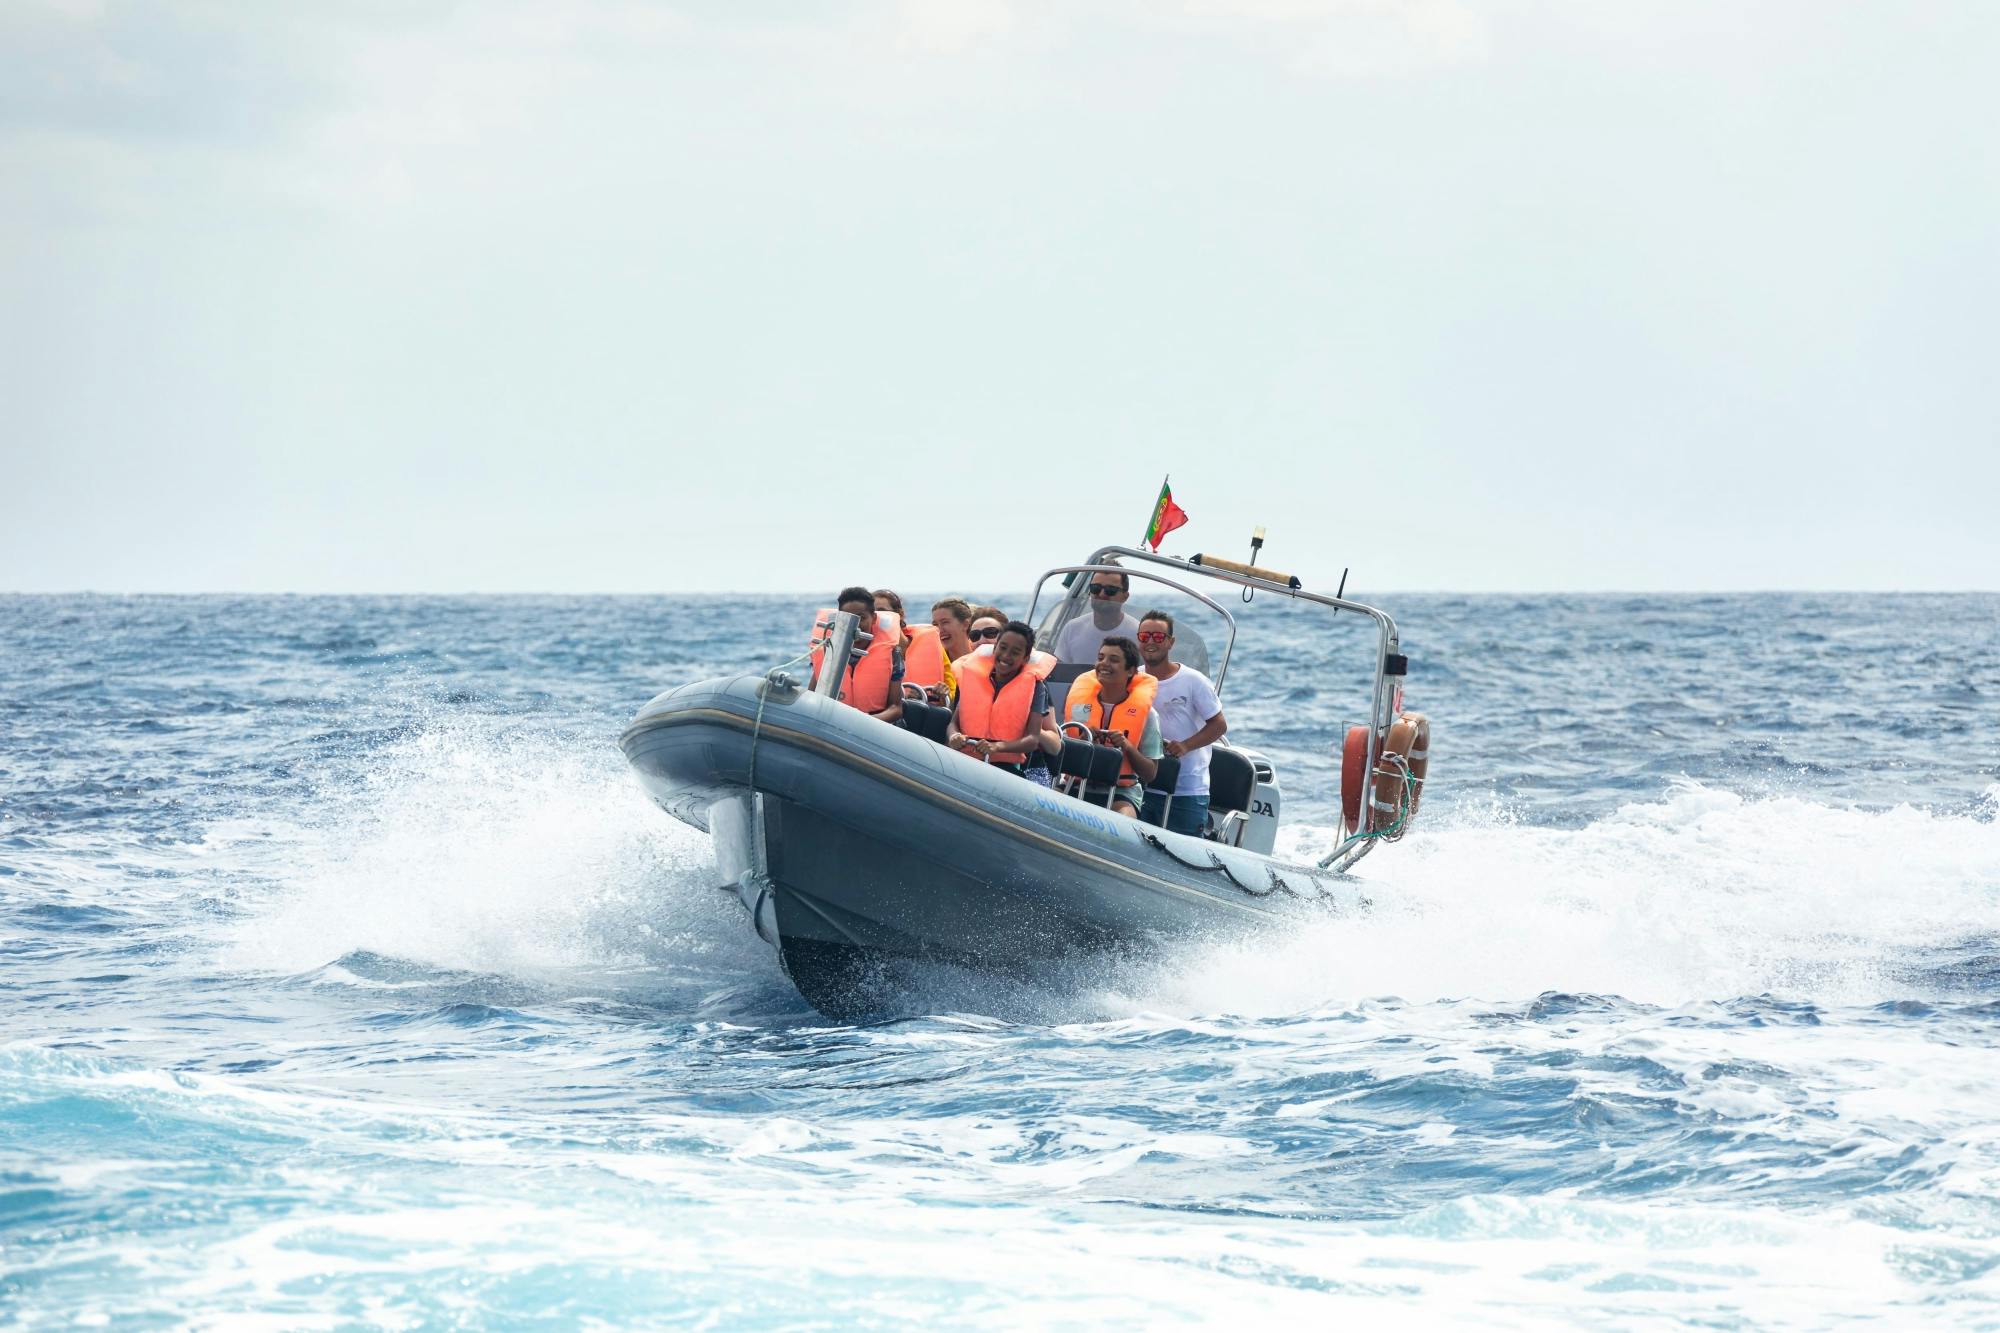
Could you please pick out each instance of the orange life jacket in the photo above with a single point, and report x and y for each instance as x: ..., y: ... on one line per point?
x: 1039, y: 663
x: 989, y: 714
x: 924, y: 660
x: 866, y: 685
x: 1128, y: 717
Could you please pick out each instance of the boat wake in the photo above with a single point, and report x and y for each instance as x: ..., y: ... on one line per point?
x: 1700, y: 894
x: 532, y: 854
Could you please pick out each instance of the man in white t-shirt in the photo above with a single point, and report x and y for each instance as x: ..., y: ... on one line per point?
x: 1190, y: 721
x: 1082, y: 637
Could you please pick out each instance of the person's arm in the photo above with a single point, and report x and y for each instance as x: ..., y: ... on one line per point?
x: 953, y: 737
x: 1208, y: 733
x: 1042, y: 717
x: 894, y: 712
x: 1146, y: 765
x: 1051, y: 738
x: 946, y: 692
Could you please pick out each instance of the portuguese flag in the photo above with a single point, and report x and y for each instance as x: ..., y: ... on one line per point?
x: 1166, y: 517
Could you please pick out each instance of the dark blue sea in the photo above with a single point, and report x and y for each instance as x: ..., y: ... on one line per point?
x: 348, y: 980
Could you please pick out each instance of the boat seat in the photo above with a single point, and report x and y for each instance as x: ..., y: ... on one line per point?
x: 1232, y: 779
x: 1061, y: 676
x: 928, y: 720
x: 1168, y: 774
x: 1098, y: 764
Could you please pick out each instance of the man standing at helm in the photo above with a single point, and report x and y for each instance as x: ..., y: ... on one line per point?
x: 1080, y: 639
x: 1190, y: 721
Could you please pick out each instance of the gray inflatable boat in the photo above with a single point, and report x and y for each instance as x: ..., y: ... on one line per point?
x: 861, y: 848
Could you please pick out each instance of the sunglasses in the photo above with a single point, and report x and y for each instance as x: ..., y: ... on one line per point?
x: 1153, y: 636
x: 1105, y: 590
x: 990, y: 632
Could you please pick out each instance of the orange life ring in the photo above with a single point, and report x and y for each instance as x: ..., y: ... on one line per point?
x: 1353, y: 771
x: 1408, y: 738
x: 1419, y: 758
x: 1387, y: 806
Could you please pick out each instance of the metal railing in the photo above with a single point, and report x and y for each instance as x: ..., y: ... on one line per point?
x: 1382, y: 700
x: 835, y: 638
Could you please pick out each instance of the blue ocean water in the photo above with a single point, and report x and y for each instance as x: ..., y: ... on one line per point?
x: 346, y: 978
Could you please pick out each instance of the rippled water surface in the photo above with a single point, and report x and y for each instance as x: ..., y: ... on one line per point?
x: 346, y: 978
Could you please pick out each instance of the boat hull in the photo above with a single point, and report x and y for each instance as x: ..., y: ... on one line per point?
x: 859, y: 848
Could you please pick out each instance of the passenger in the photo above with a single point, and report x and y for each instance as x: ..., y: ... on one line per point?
x: 1003, y: 713
x: 987, y: 622
x: 1191, y: 720
x: 1116, y: 703
x: 924, y: 662
x: 875, y: 683
x: 1108, y: 616
x: 951, y: 617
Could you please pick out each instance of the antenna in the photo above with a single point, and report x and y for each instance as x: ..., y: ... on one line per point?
x: 1256, y: 545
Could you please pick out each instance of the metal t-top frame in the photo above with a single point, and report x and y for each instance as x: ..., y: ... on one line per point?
x: 1072, y: 600
x: 1382, y: 703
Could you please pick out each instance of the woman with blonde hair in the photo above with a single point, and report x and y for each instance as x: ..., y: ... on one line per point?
x: 951, y: 617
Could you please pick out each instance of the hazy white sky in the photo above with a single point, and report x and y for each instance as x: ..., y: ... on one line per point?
x: 391, y: 295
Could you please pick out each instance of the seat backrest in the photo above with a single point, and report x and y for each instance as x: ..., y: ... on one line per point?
x: 1168, y: 774
x: 1231, y: 779
x: 1095, y: 764
x: 1061, y: 676
x: 923, y: 719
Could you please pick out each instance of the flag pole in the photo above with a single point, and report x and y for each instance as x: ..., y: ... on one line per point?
x: 1166, y: 479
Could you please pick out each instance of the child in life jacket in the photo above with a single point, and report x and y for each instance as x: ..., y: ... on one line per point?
x: 1116, y: 702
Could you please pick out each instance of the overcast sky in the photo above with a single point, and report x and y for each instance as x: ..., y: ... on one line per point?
x: 620, y: 296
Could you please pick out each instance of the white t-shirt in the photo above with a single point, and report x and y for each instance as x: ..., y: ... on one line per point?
x: 1184, y: 702
x: 1081, y: 638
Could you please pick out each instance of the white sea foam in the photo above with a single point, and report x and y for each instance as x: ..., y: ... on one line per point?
x: 1699, y: 895
x: 460, y: 849
x: 466, y: 850
x: 1234, y: 1135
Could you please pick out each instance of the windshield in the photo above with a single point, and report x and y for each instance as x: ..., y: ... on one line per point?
x: 1082, y: 606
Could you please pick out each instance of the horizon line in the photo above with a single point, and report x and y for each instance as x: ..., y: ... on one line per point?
x: 796, y: 593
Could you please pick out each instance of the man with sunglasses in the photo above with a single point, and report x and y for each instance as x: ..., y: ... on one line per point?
x: 1190, y: 721
x: 1081, y: 638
